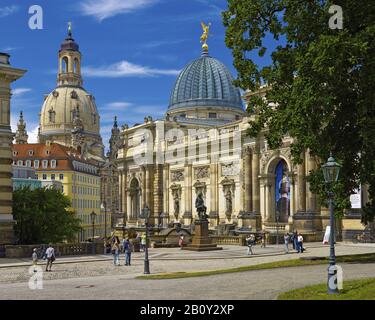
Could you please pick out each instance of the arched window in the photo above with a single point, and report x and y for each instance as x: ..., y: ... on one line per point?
x: 64, y: 64
x: 76, y: 66
x: 282, y: 193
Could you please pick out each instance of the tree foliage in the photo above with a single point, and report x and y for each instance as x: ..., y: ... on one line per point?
x: 322, y: 80
x: 42, y: 216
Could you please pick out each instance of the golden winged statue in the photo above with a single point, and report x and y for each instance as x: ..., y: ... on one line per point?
x: 206, y: 30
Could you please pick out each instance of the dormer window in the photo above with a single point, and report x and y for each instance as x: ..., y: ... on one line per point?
x: 36, y: 164
x: 31, y: 152
x: 15, y: 153
x: 28, y: 163
x: 52, y: 115
x: 53, y: 164
x: 74, y: 94
x: 19, y: 163
x: 44, y: 164
x: 47, y: 152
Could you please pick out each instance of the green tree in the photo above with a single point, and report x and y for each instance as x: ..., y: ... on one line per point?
x: 42, y: 216
x: 322, y: 80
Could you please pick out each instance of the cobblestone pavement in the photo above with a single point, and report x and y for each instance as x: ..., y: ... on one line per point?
x: 260, y: 284
x: 169, y: 260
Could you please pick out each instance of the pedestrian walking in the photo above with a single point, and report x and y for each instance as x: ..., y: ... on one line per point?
x: 181, y: 241
x: 262, y: 240
x: 286, y: 242
x: 50, y: 255
x: 116, y: 253
x: 34, y: 257
x: 128, y: 248
x: 295, y: 241
x: 143, y: 242
x: 250, y: 240
x: 300, y: 243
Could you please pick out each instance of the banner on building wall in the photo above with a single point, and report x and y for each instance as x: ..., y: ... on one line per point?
x: 326, y: 235
x: 356, y: 199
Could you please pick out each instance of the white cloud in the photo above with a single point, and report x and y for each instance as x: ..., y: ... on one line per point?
x: 20, y: 91
x: 8, y: 49
x: 118, y: 105
x: 103, y: 9
x: 126, y: 69
x: 7, y: 11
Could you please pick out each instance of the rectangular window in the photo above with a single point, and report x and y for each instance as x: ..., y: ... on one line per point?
x: 44, y: 177
x: 53, y: 176
x: 53, y: 163
x: 212, y: 115
x: 36, y: 164
x: 61, y: 176
x: 44, y: 164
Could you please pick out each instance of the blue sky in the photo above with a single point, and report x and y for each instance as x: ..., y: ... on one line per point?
x: 132, y: 52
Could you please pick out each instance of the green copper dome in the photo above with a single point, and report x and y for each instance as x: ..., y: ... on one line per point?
x: 205, y: 82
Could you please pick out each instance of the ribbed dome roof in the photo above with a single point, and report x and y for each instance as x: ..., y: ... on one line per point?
x: 205, y: 82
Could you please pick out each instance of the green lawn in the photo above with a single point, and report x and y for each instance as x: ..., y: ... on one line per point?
x: 361, y: 258
x: 352, y: 290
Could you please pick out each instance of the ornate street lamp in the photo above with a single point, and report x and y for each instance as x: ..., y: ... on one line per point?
x: 331, y: 171
x: 146, y: 215
x: 92, y: 217
x: 104, y: 206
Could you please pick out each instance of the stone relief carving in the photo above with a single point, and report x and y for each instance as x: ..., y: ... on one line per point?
x: 201, y: 173
x: 230, y: 169
x: 177, y: 175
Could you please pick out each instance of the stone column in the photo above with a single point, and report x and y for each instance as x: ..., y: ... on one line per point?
x: 166, y: 188
x: 301, y: 182
x: 255, y: 181
x: 310, y: 197
x: 248, y: 205
x: 213, y: 187
x: 158, y: 192
x: 144, y: 188
x: 124, y: 195
x: 188, y: 190
x: 8, y: 74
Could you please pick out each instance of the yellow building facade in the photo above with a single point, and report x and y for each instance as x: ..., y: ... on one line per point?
x: 79, y: 177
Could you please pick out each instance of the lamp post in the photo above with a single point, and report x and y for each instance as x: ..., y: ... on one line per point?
x: 331, y: 171
x: 104, y: 206
x: 146, y: 215
x: 93, y: 216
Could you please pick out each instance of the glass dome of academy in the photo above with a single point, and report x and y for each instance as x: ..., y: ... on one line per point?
x: 69, y: 105
x: 204, y: 89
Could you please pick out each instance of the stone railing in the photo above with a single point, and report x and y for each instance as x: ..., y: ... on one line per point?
x: 229, y: 240
x: 273, y: 226
x: 63, y: 249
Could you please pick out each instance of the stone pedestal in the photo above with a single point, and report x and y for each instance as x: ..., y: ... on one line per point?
x: 201, y: 241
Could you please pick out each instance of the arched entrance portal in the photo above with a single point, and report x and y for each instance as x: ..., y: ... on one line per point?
x: 135, y: 199
x: 282, y: 192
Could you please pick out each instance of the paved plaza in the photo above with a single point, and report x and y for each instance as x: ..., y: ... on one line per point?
x: 95, y: 277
